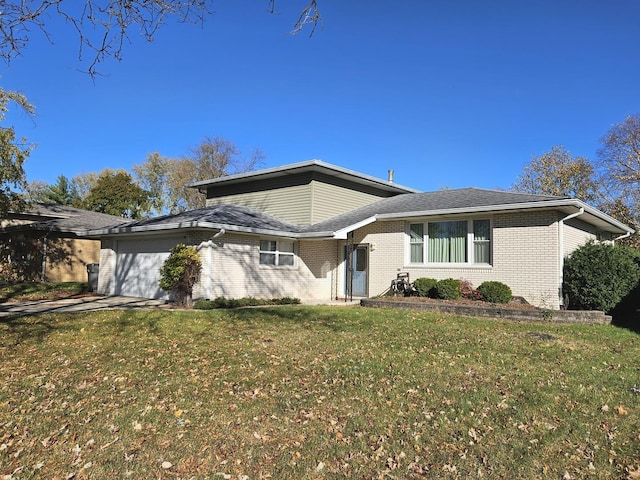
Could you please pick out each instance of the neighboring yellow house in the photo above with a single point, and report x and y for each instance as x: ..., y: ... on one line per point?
x: 42, y: 243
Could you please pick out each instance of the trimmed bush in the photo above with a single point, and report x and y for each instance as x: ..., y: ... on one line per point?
x: 180, y: 272
x: 424, y: 286
x: 447, y: 289
x: 495, y: 292
x: 598, y: 276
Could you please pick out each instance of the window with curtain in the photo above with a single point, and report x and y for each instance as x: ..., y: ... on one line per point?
x: 416, y: 242
x: 448, y: 242
x: 454, y: 241
x: 277, y: 253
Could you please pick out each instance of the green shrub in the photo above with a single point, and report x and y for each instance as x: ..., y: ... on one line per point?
x: 598, y: 276
x: 447, y: 289
x: 203, y: 305
x: 222, y: 302
x: 495, y: 292
x: 286, y: 301
x: 180, y: 272
x: 424, y: 286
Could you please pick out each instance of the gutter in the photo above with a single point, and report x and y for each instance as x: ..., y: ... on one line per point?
x: 123, y: 230
x: 507, y: 207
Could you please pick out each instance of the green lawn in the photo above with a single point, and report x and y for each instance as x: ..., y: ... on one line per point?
x: 315, y: 392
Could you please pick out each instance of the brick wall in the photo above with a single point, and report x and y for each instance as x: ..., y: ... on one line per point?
x: 525, y: 256
x: 577, y: 233
x: 106, y: 276
x: 231, y: 268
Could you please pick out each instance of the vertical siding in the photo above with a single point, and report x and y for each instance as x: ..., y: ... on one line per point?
x: 525, y: 257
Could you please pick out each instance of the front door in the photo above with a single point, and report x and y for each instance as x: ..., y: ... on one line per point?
x: 358, y: 272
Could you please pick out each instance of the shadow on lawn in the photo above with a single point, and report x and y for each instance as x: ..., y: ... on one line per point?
x: 37, y: 328
x: 26, y: 290
x: 627, y: 313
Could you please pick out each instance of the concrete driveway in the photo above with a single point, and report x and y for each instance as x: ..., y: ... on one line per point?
x: 81, y: 304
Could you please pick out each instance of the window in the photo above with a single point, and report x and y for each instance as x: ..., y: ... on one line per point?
x: 278, y: 253
x: 447, y: 242
x: 416, y: 241
x: 481, y: 241
x: 459, y: 241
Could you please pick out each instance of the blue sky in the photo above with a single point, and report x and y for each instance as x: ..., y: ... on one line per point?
x: 446, y: 93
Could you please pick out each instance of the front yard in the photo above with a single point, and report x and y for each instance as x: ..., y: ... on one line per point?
x: 315, y: 392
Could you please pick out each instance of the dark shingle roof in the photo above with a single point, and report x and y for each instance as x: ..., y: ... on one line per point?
x: 63, y: 218
x: 244, y: 219
x: 442, y: 200
x: 218, y: 216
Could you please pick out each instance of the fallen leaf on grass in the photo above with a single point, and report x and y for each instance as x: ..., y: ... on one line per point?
x: 634, y: 474
x: 620, y: 410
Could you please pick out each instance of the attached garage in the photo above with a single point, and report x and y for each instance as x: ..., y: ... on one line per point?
x: 138, y: 263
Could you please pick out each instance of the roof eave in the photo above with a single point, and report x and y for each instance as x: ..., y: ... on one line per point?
x: 545, y: 204
x: 317, y: 165
x: 149, y: 229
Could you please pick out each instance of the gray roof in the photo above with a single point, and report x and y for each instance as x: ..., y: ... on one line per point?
x: 307, y: 166
x: 62, y: 218
x: 411, y: 205
x: 222, y: 216
x: 433, y: 203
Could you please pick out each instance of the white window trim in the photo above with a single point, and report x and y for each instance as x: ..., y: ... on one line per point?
x: 470, y: 244
x: 278, y: 253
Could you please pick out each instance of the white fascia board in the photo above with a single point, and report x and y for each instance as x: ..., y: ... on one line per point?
x: 149, y: 229
x: 577, y: 204
x: 342, y: 233
x: 607, y: 218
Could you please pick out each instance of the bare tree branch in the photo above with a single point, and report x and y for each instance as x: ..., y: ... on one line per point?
x: 103, y: 26
x: 310, y: 15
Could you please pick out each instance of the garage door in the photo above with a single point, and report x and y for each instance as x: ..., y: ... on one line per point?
x: 138, y: 266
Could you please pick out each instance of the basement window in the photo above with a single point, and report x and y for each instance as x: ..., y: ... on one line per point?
x: 277, y: 252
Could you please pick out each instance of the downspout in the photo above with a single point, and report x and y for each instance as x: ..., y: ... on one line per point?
x: 626, y: 235
x: 209, y: 288
x: 561, y: 248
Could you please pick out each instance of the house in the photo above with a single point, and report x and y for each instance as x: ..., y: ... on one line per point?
x: 317, y: 231
x: 44, y: 243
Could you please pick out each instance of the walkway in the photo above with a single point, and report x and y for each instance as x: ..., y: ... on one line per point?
x: 94, y: 303
x: 80, y: 304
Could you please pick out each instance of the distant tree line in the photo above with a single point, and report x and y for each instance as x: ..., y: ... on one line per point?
x: 610, y: 182
x: 157, y: 186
